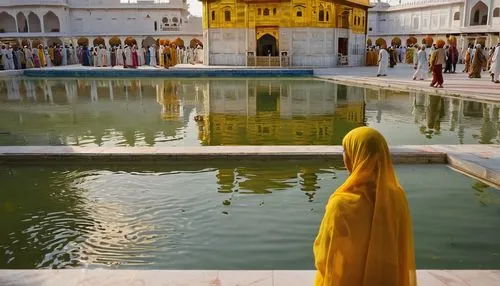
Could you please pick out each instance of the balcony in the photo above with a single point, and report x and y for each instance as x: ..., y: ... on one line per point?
x: 33, y: 3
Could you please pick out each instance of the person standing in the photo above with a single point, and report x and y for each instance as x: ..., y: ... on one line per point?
x: 64, y: 55
x: 161, y: 57
x: 447, y: 67
x: 113, y: 56
x: 366, y: 234
x: 495, y: 65
x: 467, y: 59
x: 41, y: 56
x: 152, y: 54
x: 478, y: 62
x: 95, y: 57
x: 135, y: 57
x: 103, y: 56
x: 119, y: 56
x: 47, y: 57
x: 383, y: 62
x: 436, y: 62
x: 421, y: 72
x: 36, y: 58
x: 29, y: 57
x: 10, y: 58
x: 127, y: 53
x: 454, y: 58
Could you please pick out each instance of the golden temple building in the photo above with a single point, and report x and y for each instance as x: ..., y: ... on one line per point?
x: 319, y: 33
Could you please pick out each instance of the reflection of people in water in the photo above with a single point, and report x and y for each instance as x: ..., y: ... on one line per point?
x: 488, y: 132
x: 366, y: 235
x: 435, y: 111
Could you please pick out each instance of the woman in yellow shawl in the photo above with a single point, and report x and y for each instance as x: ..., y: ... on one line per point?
x: 41, y: 56
x: 366, y: 238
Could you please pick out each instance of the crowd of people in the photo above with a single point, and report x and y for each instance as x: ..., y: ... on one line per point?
x: 440, y: 58
x: 129, y: 56
x: 13, y: 57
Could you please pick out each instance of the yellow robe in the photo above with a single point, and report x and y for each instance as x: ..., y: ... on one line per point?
x: 366, y: 237
x: 41, y: 56
x: 51, y: 54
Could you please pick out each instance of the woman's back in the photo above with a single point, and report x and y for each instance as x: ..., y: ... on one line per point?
x: 365, y: 238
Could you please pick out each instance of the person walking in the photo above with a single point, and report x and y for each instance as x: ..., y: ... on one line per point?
x: 436, y: 62
x: 383, y: 62
x: 495, y: 65
x: 454, y: 58
x: 366, y: 236
x: 478, y: 62
x: 421, y: 72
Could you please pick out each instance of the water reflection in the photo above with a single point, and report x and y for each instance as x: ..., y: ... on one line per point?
x: 161, y: 218
x: 188, y: 112
x: 116, y: 218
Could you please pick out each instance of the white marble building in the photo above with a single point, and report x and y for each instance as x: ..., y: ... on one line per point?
x: 71, y: 19
x: 469, y: 20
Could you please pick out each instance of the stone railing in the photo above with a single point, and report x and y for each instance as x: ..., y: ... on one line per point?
x: 259, y: 61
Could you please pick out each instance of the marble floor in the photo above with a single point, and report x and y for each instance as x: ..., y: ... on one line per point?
x: 400, y: 77
x: 219, y: 278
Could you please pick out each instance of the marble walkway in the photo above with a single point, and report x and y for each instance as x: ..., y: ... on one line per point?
x: 400, y: 78
x: 479, y: 161
x: 219, y: 278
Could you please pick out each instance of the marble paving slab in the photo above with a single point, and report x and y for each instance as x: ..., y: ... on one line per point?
x: 84, y: 277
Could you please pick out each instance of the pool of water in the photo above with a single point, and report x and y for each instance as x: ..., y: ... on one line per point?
x: 194, y: 112
x: 222, y: 216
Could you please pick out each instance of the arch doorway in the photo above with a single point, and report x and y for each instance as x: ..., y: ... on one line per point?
x: 7, y: 23
x: 267, y: 45
x: 51, y: 23
x: 22, y: 23
x: 34, y: 23
x: 479, y: 14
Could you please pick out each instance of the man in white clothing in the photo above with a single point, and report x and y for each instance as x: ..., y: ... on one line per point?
x: 495, y: 65
x: 152, y: 56
x: 128, y: 57
x: 383, y: 62
x: 421, y: 72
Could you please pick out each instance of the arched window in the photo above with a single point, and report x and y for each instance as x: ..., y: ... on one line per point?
x: 298, y: 10
x: 327, y: 16
x: 274, y: 11
x: 476, y: 16
x: 456, y: 16
x: 227, y: 16
x: 321, y: 15
x: 156, y: 26
x: 259, y: 11
x: 266, y: 12
x: 213, y: 15
x: 496, y: 12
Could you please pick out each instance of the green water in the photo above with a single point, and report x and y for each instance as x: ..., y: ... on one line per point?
x: 222, y: 216
x: 194, y: 112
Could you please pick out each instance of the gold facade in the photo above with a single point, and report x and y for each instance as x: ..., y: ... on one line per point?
x: 286, y: 14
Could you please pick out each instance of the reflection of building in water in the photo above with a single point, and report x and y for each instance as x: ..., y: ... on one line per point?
x: 168, y: 98
x: 249, y: 112
x: 255, y: 180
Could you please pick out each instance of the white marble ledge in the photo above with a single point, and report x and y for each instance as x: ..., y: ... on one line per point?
x: 219, y: 278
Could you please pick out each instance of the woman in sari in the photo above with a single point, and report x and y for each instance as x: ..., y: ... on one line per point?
x: 135, y: 57
x: 366, y: 237
x: 478, y: 62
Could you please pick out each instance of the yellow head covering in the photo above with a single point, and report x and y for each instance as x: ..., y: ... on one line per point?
x: 366, y: 238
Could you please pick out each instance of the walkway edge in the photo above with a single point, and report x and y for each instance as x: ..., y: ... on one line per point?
x: 362, y: 82
x: 94, y: 277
